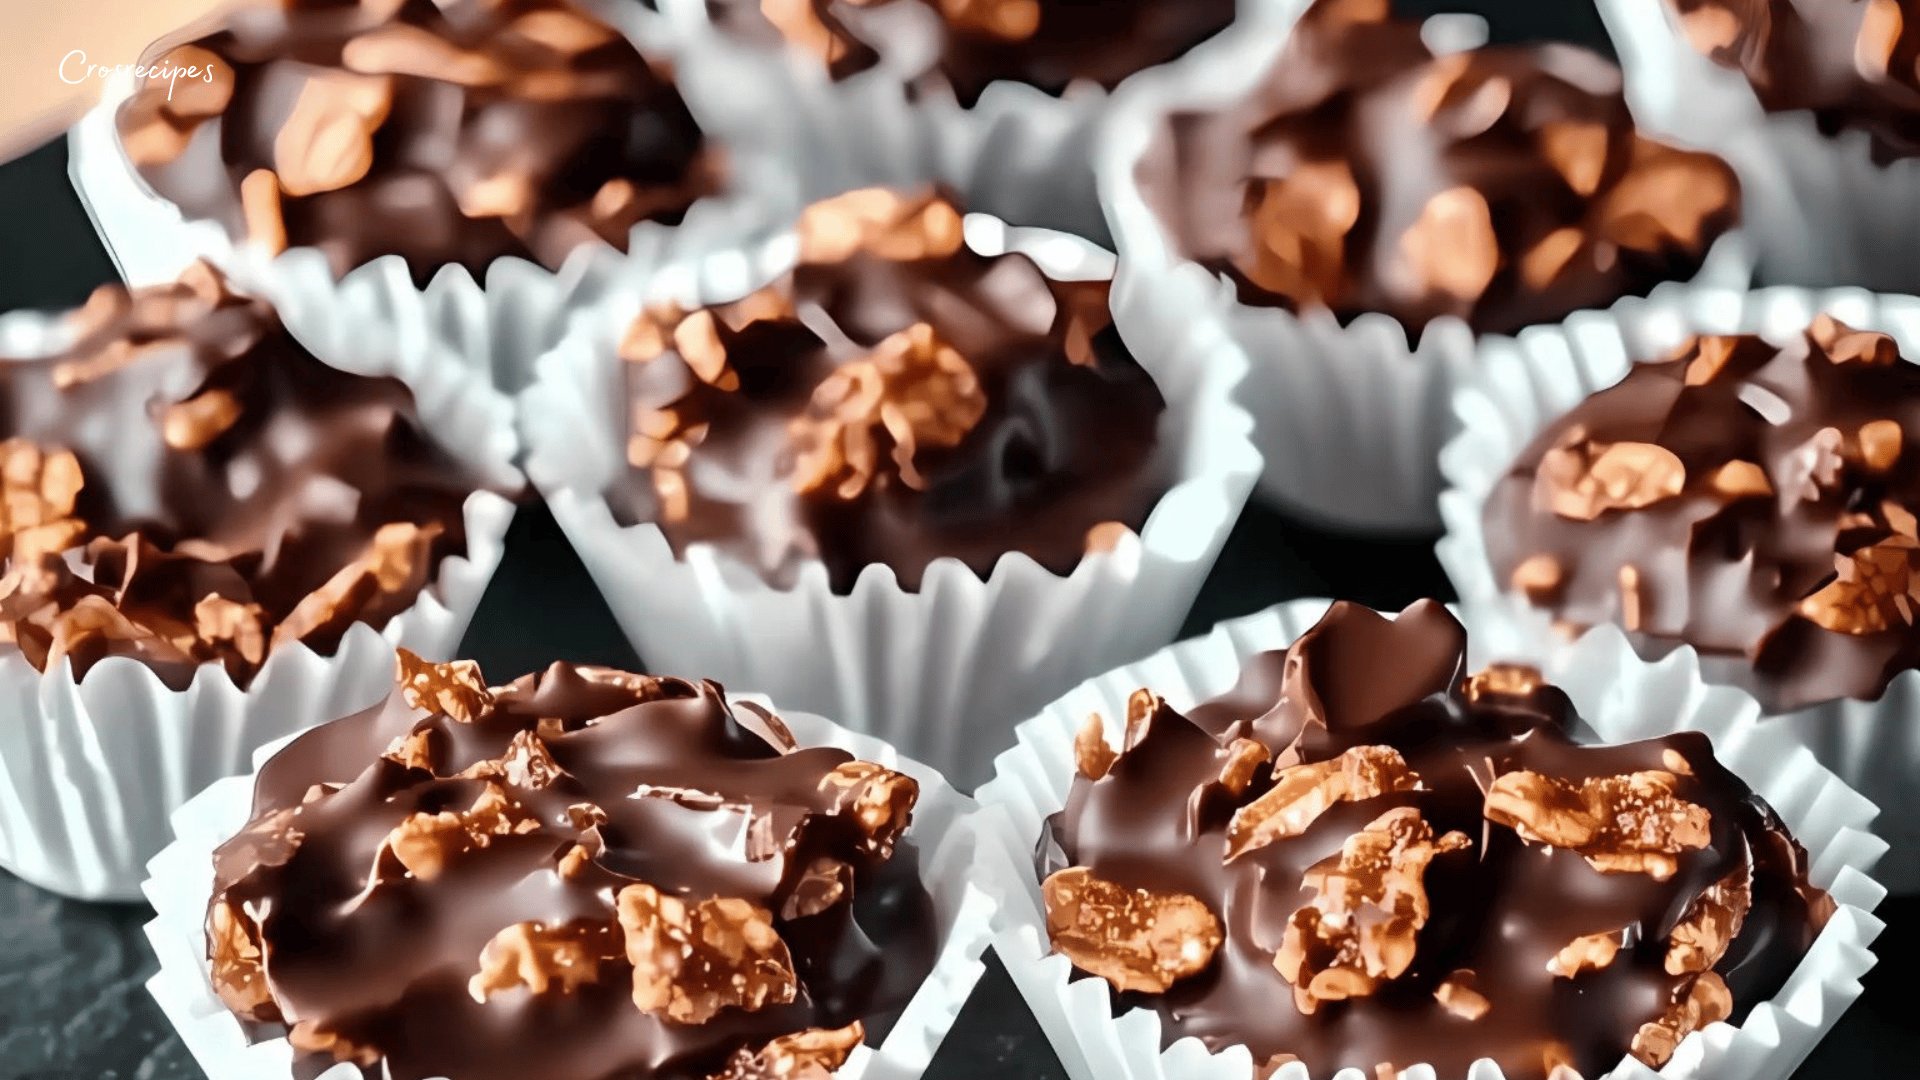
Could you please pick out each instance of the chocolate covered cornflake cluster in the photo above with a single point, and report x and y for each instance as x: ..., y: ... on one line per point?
x: 1049, y: 44
x: 589, y: 874
x: 448, y: 133
x: 1506, y: 186
x: 894, y: 399
x: 185, y: 485
x: 1361, y: 856
x: 1755, y: 501
x: 1852, y: 63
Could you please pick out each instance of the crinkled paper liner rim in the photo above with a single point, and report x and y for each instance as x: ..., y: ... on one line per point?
x: 1820, y: 211
x: 1620, y: 698
x: 1526, y: 384
x: 497, y: 327
x: 945, y: 828
x: 943, y: 673
x: 89, y: 770
x: 1349, y: 418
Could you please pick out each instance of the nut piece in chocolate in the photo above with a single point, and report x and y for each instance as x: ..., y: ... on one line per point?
x: 1435, y: 873
x: 625, y: 875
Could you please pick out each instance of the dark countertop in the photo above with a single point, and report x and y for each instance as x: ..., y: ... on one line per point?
x: 73, y: 1005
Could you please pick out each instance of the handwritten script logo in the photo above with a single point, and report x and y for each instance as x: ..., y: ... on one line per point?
x: 74, y: 70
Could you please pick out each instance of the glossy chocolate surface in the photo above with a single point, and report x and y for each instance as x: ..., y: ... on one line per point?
x: 1851, y: 62
x: 377, y: 912
x: 896, y: 399
x: 186, y: 484
x: 1505, y: 186
x: 1754, y: 501
x: 1048, y: 44
x: 1459, y: 960
x: 449, y: 133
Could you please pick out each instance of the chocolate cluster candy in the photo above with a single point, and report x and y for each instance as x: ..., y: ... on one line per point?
x: 1505, y: 186
x: 1049, y: 44
x: 1852, y: 63
x: 583, y: 875
x: 186, y: 485
x: 1752, y: 500
x: 895, y: 399
x: 1362, y: 857
x: 448, y: 132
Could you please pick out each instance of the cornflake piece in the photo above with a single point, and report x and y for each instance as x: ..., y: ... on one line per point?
x: 812, y: 1054
x: 309, y: 1037
x: 326, y: 141
x: 1844, y: 345
x: 1133, y: 938
x: 1710, y: 354
x: 692, y: 960
x: 1369, y: 905
x: 824, y: 883
x: 1453, y: 248
x: 1741, y: 480
x: 1590, y: 952
x: 882, y: 222
x: 1457, y: 995
x: 414, y: 750
x: 1243, y: 760
x: 1711, y: 924
x: 1706, y: 1001
x: 877, y: 798
x: 240, y: 627
x: 454, y: 689
x: 540, y: 957
x: 1092, y: 755
x: 397, y: 560
x: 237, y: 969
x: 38, y: 491
x: 1539, y: 578
x: 1873, y: 590
x: 1881, y: 442
x: 1301, y: 793
x: 197, y: 421
x: 1504, y: 680
x: 1300, y: 223
x: 527, y: 764
x: 424, y: 843
x: 914, y: 388
x: 1620, y: 824
x: 1009, y: 20
x: 1580, y: 479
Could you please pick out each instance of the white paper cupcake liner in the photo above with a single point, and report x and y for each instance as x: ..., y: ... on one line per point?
x: 1819, y: 211
x: 499, y: 326
x: 1619, y: 697
x: 943, y: 673
x: 89, y: 771
x: 1525, y: 385
x: 945, y: 830
x: 1349, y: 419
x: 1018, y: 153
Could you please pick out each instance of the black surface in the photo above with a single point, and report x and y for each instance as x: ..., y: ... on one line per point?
x: 72, y: 1001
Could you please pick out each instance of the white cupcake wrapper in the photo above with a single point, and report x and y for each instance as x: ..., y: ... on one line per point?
x: 943, y: 673
x: 499, y: 326
x: 89, y: 771
x: 1526, y: 384
x: 945, y: 829
x: 1018, y: 153
x: 1620, y: 698
x: 1819, y: 211
x: 1349, y: 419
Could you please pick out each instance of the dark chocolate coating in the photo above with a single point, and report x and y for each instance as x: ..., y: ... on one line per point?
x: 1061, y: 448
x: 314, y: 462
x: 464, y: 169
x: 1501, y: 908
x: 1851, y: 66
x: 390, y: 972
x: 1505, y: 186
x: 1727, y: 572
x: 1049, y: 44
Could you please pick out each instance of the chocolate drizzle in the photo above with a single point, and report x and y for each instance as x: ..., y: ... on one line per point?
x: 1409, y: 865
x: 448, y: 133
x: 1049, y: 44
x: 1756, y: 502
x: 895, y: 399
x: 1505, y: 186
x: 585, y: 874
x: 1852, y: 63
x: 185, y: 484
